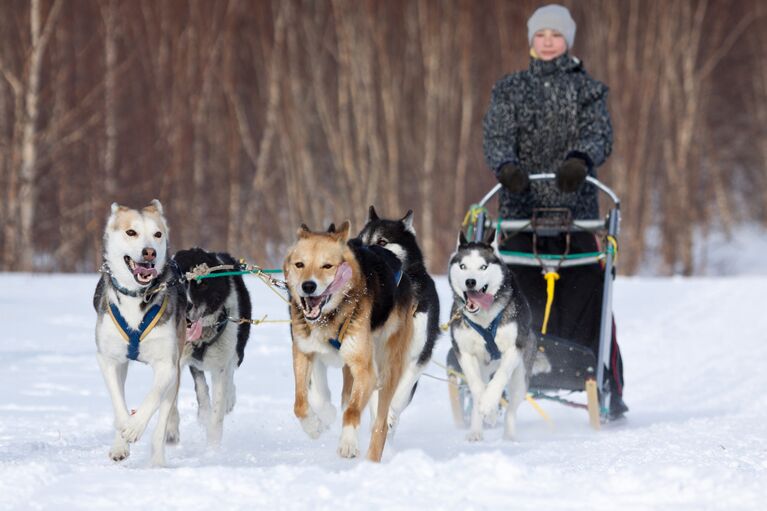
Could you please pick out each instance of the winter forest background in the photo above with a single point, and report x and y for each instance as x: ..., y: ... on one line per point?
x: 247, y: 118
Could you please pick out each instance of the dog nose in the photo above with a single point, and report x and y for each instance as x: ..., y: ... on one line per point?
x: 149, y: 254
x: 471, y: 283
x: 309, y: 287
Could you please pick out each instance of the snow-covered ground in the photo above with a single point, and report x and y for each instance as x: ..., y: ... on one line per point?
x: 695, y: 355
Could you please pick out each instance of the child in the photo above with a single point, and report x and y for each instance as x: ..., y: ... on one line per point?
x: 553, y: 118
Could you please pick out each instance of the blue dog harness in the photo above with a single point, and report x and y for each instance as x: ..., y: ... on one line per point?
x: 488, y: 334
x: 134, y: 337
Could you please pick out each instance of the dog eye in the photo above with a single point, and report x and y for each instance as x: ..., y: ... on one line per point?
x: 131, y: 233
x: 327, y: 266
x: 483, y: 267
x: 158, y: 235
x: 382, y: 242
x: 462, y: 266
x: 299, y: 265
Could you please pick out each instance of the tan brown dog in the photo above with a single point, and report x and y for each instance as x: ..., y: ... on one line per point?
x: 348, y: 308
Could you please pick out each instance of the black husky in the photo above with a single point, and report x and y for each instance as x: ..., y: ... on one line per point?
x: 215, y: 342
x: 398, y: 236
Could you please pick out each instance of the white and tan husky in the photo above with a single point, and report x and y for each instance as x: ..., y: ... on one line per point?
x: 140, y: 317
x: 346, y: 310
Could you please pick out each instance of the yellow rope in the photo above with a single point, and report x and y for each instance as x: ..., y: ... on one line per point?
x: 538, y: 408
x: 257, y: 322
x: 472, y: 214
x: 446, y: 326
x: 613, y: 243
x: 268, y: 281
x: 550, y: 277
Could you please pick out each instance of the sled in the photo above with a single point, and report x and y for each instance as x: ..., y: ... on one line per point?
x: 574, y: 367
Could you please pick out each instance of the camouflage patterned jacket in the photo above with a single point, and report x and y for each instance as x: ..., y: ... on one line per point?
x: 539, y: 117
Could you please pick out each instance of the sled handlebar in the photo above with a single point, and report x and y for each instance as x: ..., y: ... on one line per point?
x: 549, y: 176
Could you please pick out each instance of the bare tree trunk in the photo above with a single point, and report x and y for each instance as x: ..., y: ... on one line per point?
x: 467, y: 109
x: 5, y: 115
x: 110, y: 99
x: 430, y: 51
x: 391, y: 100
x: 259, y: 157
x: 28, y: 190
x: 758, y: 104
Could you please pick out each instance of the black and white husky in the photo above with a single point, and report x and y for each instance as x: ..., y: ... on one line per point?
x: 140, y: 317
x: 491, y: 333
x: 398, y: 236
x: 215, y: 341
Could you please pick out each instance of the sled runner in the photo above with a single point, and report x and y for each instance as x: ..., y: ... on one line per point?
x: 575, y: 338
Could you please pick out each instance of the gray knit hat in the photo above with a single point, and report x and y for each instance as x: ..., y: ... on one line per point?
x: 555, y: 17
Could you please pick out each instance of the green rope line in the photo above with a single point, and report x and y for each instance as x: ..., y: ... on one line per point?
x: 552, y: 256
x: 229, y: 273
x: 609, y: 250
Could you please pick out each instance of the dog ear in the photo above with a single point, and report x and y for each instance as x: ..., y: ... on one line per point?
x: 489, y: 237
x: 155, y: 206
x: 286, y: 265
x: 407, y: 221
x: 461, y: 240
x: 372, y: 215
x: 342, y: 233
x: 303, y: 231
x: 332, y: 227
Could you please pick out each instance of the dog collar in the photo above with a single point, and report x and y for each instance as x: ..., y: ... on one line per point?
x: 125, y: 290
x: 488, y: 334
x: 121, y: 289
x: 157, y: 286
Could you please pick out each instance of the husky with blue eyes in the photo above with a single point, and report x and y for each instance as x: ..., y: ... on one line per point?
x: 491, y: 333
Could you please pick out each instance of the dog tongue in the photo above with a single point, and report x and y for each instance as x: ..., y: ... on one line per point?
x: 144, y: 272
x: 484, y: 300
x: 195, y: 331
x: 343, y: 274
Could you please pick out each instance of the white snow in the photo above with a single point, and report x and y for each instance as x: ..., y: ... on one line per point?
x: 695, y: 354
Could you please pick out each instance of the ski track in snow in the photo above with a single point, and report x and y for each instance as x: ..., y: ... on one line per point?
x: 695, y: 438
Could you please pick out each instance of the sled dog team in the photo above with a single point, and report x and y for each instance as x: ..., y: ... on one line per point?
x: 364, y: 304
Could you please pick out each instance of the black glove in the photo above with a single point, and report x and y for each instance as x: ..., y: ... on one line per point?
x: 571, y: 175
x: 513, y: 178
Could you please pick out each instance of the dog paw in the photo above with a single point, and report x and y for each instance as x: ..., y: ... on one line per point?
x: 172, y: 436
x: 132, y: 429
x: 119, y: 453
x: 392, y: 420
x: 347, y: 446
x: 327, y: 414
x: 312, y: 426
x: 510, y: 428
x: 488, y: 409
x: 158, y: 460
x: 474, y: 436
x: 231, y: 399
x: 203, y: 416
